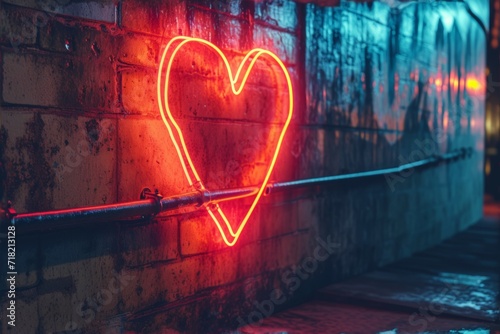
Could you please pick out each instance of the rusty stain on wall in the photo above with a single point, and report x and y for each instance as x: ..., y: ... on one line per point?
x: 32, y: 168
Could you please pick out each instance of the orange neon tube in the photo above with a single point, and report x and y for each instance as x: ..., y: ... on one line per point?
x: 175, y: 132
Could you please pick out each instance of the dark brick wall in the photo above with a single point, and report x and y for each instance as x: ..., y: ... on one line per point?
x: 80, y: 126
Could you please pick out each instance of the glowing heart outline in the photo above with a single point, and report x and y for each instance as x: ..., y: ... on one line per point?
x: 255, y: 54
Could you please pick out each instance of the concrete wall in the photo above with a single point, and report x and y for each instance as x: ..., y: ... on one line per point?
x: 79, y: 125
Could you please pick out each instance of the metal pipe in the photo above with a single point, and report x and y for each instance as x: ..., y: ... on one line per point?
x: 28, y: 222
x: 281, y: 186
x: 156, y: 204
x: 70, y: 217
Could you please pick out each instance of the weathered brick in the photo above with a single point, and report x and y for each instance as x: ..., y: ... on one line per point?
x: 211, y: 97
x: 196, y: 273
x: 150, y: 243
x: 85, y: 154
x: 244, y: 163
x: 247, y: 152
x: 284, y: 45
x: 176, y: 281
x: 229, y: 8
x: 281, y: 14
x: 270, y: 214
x: 84, y: 41
x: 138, y: 92
x: 295, y: 156
x: 201, y: 24
x: 196, y: 84
x: 82, y: 289
x: 70, y: 152
x: 18, y: 27
x: 199, y: 234
x: 139, y: 49
x: 147, y: 158
x: 289, y: 250
x: 307, y: 214
x: 53, y: 311
x: 232, y: 34
x: 102, y: 10
x: 161, y: 18
x: 30, y: 79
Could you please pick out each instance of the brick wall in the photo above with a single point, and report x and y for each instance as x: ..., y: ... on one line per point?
x: 79, y: 125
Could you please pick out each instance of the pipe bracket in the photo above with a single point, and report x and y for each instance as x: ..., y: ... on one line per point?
x: 146, y: 193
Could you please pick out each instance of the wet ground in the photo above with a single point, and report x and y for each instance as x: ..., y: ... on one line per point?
x: 450, y: 288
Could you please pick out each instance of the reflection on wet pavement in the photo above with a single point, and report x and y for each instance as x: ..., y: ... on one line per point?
x: 451, y: 288
x: 460, y: 331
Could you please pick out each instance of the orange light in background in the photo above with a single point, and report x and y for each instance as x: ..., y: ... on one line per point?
x: 473, y: 85
x: 237, y: 81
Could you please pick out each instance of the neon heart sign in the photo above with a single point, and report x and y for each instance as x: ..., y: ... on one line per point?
x: 237, y: 83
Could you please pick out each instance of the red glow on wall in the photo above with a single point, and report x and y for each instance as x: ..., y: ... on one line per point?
x: 237, y: 83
